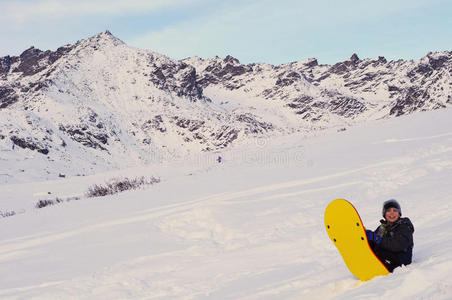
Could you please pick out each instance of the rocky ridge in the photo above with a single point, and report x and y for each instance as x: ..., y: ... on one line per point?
x: 355, y: 88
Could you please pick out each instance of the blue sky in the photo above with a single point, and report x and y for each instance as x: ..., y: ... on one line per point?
x: 251, y: 30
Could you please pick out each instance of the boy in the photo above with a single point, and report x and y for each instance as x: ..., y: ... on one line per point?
x: 392, y: 241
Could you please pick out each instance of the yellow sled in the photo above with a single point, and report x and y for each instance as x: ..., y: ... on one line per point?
x: 345, y: 229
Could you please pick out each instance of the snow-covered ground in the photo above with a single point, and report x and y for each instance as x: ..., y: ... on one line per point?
x: 248, y: 228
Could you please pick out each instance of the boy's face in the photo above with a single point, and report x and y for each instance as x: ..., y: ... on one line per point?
x: 392, y: 214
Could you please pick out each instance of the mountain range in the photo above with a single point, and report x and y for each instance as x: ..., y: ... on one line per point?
x: 100, y: 104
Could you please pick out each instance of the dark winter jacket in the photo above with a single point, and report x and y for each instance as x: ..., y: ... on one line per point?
x: 397, y: 238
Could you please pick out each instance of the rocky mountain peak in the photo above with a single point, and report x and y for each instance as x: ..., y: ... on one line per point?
x: 311, y: 62
x: 354, y: 58
x: 231, y: 60
x: 106, y: 35
x: 5, y: 65
x: 381, y: 59
x: 103, y: 40
x: 30, y: 62
x: 439, y: 59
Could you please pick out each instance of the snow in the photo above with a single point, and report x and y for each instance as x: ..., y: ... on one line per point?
x: 248, y: 228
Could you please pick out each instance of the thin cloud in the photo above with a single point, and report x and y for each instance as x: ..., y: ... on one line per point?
x: 282, y: 31
x: 20, y: 12
x: 251, y: 30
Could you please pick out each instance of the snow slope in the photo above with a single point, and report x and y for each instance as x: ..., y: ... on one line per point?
x: 248, y: 228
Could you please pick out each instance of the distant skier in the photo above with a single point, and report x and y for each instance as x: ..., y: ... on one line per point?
x: 392, y: 241
x: 219, y: 159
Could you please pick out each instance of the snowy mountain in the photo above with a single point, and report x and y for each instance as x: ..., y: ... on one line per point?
x: 100, y: 105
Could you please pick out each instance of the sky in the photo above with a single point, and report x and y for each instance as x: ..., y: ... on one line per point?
x: 267, y: 31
